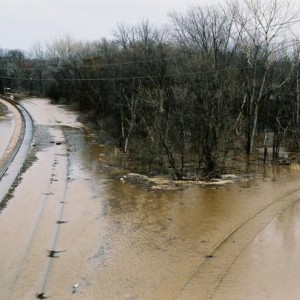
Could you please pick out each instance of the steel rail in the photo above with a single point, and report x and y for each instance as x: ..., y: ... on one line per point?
x: 25, y: 138
x: 273, y: 208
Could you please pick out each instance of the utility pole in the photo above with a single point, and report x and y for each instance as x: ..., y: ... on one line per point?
x: 1, y: 86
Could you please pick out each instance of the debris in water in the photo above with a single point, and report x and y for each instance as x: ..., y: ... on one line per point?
x: 75, y: 286
x: 61, y: 222
x: 41, y: 296
x: 51, y: 253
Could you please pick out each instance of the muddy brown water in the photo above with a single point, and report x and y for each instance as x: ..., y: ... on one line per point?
x: 7, y: 124
x: 269, y: 267
x: 125, y: 241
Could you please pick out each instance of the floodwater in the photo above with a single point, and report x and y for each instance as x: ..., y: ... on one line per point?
x: 122, y: 240
x: 7, y: 126
x: 269, y: 267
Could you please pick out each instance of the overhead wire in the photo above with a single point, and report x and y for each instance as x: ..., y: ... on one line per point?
x: 48, y: 63
x: 229, y: 69
x: 287, y: 44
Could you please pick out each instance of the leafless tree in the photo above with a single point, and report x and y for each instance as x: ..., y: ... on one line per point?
x: 264, y: 27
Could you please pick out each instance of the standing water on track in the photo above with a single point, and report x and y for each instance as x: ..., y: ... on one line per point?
x: 122, y: 239
x: 7, y: 125
x: 154, y: 241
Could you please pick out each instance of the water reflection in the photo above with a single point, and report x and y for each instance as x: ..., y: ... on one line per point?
x: 269, y: 267
x: 154, y: 240
x: 6, y: 128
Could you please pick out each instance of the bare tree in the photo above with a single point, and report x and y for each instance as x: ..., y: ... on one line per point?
x: 264, y: 26
x: 206, y: 36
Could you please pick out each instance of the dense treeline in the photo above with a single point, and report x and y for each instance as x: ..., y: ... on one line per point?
x: 182, y: 97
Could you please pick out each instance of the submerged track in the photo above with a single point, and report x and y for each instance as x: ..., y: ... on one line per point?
x: 58, y: 229
x: 205, y: 280
x: 35, y: 226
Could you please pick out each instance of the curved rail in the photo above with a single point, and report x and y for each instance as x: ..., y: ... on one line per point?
x: 256, y: 221
x: 15, y: 159
x: 7, y: 160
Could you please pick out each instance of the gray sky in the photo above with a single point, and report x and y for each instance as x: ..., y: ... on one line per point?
x: 24, y: 22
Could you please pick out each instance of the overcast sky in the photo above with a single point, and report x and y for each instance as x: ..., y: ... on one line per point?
x: 24, y: 22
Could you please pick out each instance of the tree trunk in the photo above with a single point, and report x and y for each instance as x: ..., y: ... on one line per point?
x: 255, y: 116
x: 298, y: 97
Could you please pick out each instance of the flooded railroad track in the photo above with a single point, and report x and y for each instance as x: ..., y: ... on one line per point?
x: 22, y: 146
x: 204, y: 281
x: 49, y: 208
x: 56, y: 191
x: 73, y: 223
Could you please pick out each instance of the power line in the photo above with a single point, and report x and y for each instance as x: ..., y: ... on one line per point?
x: 95, y: 66
x: 173, y: 57
x: 133, y: 77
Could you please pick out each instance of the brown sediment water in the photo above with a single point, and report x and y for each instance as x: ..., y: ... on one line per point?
x: 6, y: 127
x: 122, y: 240
x: 269, y: 267
x: 10, y: 129
x: 157, y: 241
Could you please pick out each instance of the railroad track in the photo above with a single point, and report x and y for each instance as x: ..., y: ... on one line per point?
x: 17, y: 151
x: 53, y: 234
x: 209, y: 274
x: 49, y: 210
